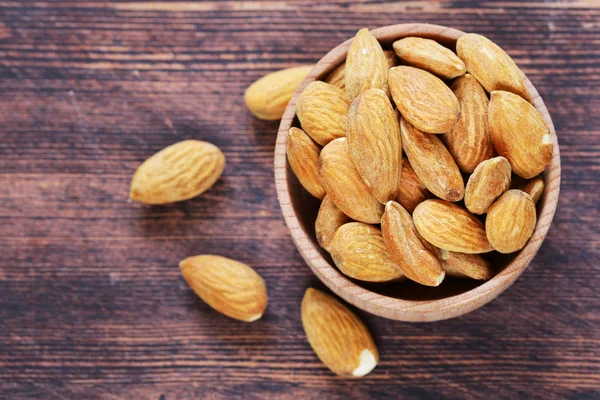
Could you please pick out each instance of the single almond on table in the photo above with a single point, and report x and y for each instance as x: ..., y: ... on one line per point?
x: 344, y: 185
x: 490, y: 179
x: 423, y: 99
x: 322, y: 110
x: 303, y: 156
x: 533, y: 187
x: 511, y: 221
x: 178, y: 172
x: 230, y: 287
x: 405, y: 247
x: 328, y: 221
x: 359, y: 252
x: 432, y: 163
x: 429, y: 55
x: 374, y: 141
x: 341, y: 340
x: 460, y: 265
x: 412, y: 190
x: 492, y: 67
x: 451, y: 227
x: 469, y: 141
x: 337, y: 77
x: 268, y: 97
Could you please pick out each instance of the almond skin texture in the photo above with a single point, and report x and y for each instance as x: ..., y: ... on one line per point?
x: 469, y: 141
x: 303, y: 156
x: 450, y: 227
x: 432, y: 163
x: 228, y: 286
x: 490, y: 179
x: 511, y: 221
x: 359, y: 252
x: 322, y: 110
x: 405, y: 247
x: 490, y: 65
x: 412, y: 191
x: 328, y: 221
x: 178, y: 172
x: 268, y: 97
x: 374, y: 141
x: 461, y: 265
x: 520, y: 134
x: 429, y: 55
x: 344, y: 185
x: 337, y: 77
x: 366, y: 65
x: 340, y: 340
x: 423, y: 99
x: 533, y: 187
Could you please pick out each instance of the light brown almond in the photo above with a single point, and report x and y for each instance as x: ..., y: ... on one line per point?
x: 533, y: 187
x: 338, y: 337
x: 366, y: 65
x: 490, y: 179
x: 329, y: 219
x: 429, y: 55
x: 423, y: 99
x: 322, y: 110
x: 451, y: 227
x: 344, y: 185
x: 337, y: 77
x: 511, y: 221
x: 230, y: 287
x: 178, y: 172
x: 461, y: 265
x: 374, y: 141
x: 412, y: 190
x: 359, y: 252
x: 303, y: 156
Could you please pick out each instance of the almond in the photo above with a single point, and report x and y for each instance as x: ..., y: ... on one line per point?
x: 423, y: 99
x: 405, y: 247
x: 412, y: 191
x: 344, y: 185
x: 230, y: 287
x: 366, y: 65
x: 340, y: 340
x: 533, y: 187
x: 337, y: 77
x: 322, y: 110
x: 511, y: 221
x: 359, y: 252
x: 429, y: 55
x: 490, y: 179
x: 469, y: 141
x: 374, y: 141
x: 461, y: 265
x: 520, y: 134
x: 178, y: 172
x: 432, y: 163
x: 490, y: 65
x: 268, y: 97
x: 303, y: 156
x: 328, y: 221
x: 451, y: 227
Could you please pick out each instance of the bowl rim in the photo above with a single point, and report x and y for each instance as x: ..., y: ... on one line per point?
x: 378, y: 304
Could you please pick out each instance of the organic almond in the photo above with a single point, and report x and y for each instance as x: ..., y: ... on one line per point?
x: 340, y: 340
x: 461, y: 265
x: 405, y: 247
x: 328, y: 221
x: 268, y: 97
x: 303, y: 156
x: 533, y: 187
x: 412, y: 191
x: 359, y: 252
x: 344, y: 185
x: 511, y: 221
x: 374, y: 141
x: 469, y: 141
x: 322, y: 110
x: 230, y: 287
x: 432, y: 163
x: 366, y: 65
x: 337, y: 77
x: 451, y: 227
x: 423, y: 99
x: 492, y: 67
x: 490, y: 179
x: 520, y: 134
x: 429, y: 55
x: 178, y: 172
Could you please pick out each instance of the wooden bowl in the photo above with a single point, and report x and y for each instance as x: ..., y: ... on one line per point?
x: 405, y: 301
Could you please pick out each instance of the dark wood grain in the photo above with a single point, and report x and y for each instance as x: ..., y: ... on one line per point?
x: 92, y: 304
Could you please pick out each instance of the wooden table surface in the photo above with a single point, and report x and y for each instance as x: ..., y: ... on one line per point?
x: 92, y: 304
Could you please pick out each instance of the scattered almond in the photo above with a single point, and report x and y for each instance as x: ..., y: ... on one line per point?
x: 533, y: 187
x: 461, y: 265
x: 429, y: 55
x: 366, y: 65
x: 490, y: 179
x: 303, y: 156
x: 511, y: 221
x: 412, y: 191
x: 328, y: 221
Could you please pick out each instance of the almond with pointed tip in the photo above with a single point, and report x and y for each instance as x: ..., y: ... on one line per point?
x: 303, y: 156
x: 511, y: 221
x: 329, y: 219
x: 490, y: 179
x: 429, y: 55
x: 366, y: 65
x: 337, y: 77
x: 412, y: 190
x: 460, y: 265
x: 533, y: 187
